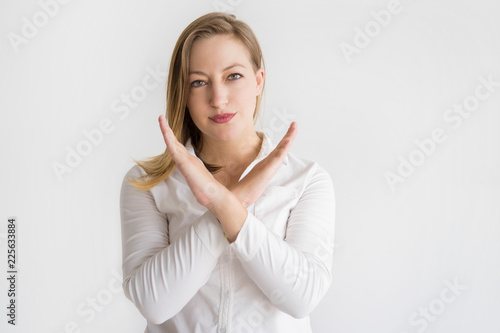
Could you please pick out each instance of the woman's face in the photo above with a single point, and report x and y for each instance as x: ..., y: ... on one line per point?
x: 222, y: 80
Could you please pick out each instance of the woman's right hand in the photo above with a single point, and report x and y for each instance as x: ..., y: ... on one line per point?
x: 204, y: 186
x: 249, y: 189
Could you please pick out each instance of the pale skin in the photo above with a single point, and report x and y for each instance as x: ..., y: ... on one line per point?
x: 220, y: 87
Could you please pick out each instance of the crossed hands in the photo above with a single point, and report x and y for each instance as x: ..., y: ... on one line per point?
x: 207, y: 190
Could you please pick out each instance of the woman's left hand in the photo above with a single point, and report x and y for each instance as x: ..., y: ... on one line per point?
x: 248, y: 189
x: 204, y: 186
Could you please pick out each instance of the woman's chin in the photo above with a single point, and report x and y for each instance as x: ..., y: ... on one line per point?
x: 226, y: 135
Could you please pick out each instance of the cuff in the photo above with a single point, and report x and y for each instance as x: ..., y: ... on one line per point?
x: 249, y: 239
x: 211, y: 234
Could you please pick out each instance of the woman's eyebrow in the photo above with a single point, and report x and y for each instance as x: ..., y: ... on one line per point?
x: 225, y: 69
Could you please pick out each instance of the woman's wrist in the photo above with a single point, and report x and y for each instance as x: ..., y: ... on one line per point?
x: 230, y: 212
x: 237, y: 191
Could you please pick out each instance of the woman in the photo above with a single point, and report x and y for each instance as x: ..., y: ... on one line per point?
x: 223, y: 233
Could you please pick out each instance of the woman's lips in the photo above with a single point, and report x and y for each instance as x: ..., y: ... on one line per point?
x: 222, y: 118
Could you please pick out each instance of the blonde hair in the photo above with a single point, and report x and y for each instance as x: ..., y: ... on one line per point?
x: 159, y: 167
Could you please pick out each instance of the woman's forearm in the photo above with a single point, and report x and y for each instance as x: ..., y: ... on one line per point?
x: 230, y: 212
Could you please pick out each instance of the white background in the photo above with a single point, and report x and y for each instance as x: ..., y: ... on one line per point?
x: 397, y: 250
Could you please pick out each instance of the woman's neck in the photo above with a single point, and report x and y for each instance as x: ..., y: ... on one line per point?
x: 237, y: 153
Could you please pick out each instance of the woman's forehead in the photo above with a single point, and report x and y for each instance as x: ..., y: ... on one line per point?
x: 218, y: 53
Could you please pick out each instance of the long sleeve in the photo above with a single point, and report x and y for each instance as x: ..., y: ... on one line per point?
x: 160, y: 278
x: 294, y: 273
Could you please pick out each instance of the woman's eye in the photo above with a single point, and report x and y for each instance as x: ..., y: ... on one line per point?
x: 234, y: 76
x: 197, y: 83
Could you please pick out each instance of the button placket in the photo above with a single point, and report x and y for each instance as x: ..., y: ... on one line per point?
x: 224, y: 308
x: 229, y: 290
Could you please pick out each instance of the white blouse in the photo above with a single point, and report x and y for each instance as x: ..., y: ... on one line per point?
x: 184, y: 276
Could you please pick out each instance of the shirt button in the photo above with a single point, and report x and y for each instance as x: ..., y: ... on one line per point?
x: 223, y: 330
x: 226, y: 258
x: 226, y: 294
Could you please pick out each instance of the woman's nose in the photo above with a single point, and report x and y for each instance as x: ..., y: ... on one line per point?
x: 218, y: 98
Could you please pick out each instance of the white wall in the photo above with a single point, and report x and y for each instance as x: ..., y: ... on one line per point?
x: 398, y: 249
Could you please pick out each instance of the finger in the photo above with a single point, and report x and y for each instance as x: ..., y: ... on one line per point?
x: 292, y: 129
x: 292, y: 132
x: 286, y: 143
x: 168, y: 135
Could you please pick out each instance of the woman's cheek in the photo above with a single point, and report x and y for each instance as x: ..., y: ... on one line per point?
x: 195, y: 100
x: 246, y: 99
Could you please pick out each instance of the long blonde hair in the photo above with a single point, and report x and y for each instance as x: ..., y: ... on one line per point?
x: 159, y: 167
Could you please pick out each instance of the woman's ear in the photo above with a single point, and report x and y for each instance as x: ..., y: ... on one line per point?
x: 260, y: 76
